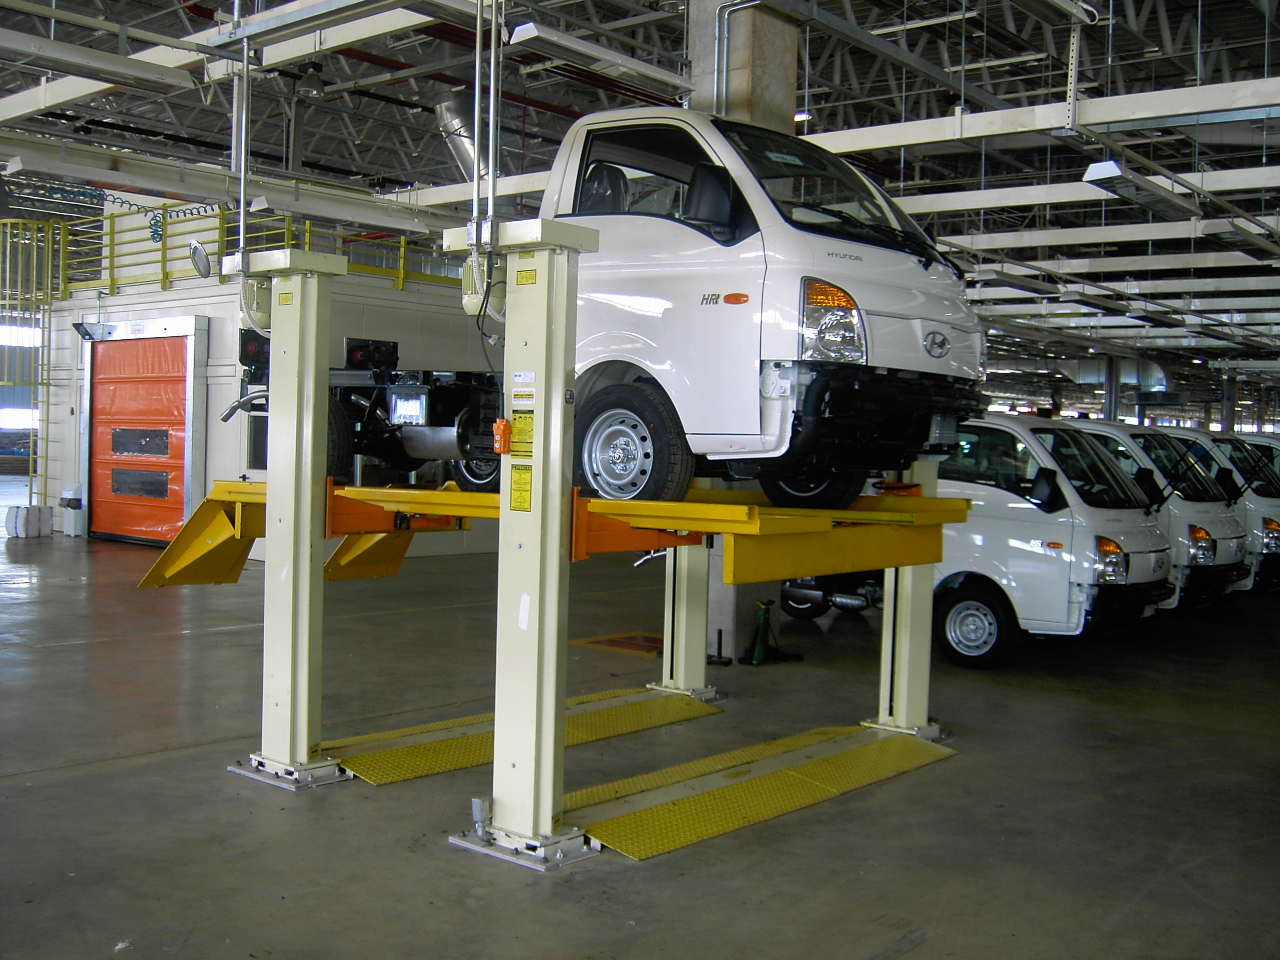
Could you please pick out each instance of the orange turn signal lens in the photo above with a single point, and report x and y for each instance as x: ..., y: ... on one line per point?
x: 820, y: 294
x: 1108, y: 547
x: 1269, y: 524
x: 1199, y: 533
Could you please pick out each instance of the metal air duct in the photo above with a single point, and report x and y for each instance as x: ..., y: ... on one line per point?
x: 453, y: 115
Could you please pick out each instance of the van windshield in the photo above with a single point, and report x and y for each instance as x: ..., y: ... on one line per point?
x: 1179, y: 469
x: 818, y: 192
x: 1257, y: 473
x: 1096, y: 477
x: 1269, y: 452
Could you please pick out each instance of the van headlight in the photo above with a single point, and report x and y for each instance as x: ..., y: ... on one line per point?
x: 1204, y: 549
x: 1113, y: 563
x: 831, y: 324
x: 1270, y: 536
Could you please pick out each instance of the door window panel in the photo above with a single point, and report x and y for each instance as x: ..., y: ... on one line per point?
x: 140, y: 483
x: 140, y: 443
x: 993, y: 458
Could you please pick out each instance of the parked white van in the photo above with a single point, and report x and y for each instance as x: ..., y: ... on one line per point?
x: 1254, y: 486
x: 1059, y: 537
x: 1206, y: 539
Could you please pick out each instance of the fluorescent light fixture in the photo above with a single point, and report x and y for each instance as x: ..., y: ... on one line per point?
x: 259, y: 203
x: 1242, y: 236
x: 1060, y: 11
x: 309, y: 18
x: 803, y: 115
x: 561, y: 46
x: 1016, y: 281
x: 93, y: 64
x: 1124, y: 183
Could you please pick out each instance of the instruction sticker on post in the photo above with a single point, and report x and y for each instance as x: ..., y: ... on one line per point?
x: 522, y: 487
x: 523, y: 392
x: 524, y: 277
x: 522, y: 434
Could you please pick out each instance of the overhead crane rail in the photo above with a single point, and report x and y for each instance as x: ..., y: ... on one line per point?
x: 762, y: 542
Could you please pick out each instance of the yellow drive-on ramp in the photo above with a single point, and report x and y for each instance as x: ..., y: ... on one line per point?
x: 656, y: 813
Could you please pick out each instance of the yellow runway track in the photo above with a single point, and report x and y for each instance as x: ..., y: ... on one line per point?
x: 476, y: 748
x: 743, y: 787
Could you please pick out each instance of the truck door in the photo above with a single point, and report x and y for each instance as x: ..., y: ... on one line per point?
x: 676, y: 287
x: 1007, y: 537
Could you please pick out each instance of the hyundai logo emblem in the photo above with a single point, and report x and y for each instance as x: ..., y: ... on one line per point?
x: 936, y: 345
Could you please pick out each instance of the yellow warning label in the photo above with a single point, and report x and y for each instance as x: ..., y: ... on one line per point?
x: 526, y: 276
x: 284, y: 299
x: 522, y: 487
x: 522, y: 434
x: 526, y: 254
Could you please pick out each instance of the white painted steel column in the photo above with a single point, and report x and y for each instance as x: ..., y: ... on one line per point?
x: 293, y: 594
x: 684, y: 632
x: 906, y: 633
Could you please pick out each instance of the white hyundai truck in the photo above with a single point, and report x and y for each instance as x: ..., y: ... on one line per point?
x: 758, y: 309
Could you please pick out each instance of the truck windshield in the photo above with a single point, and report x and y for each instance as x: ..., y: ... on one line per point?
x: 1257, y: 473
x: 1180, y: 470
x: 1096, y: 477
x: 818, y: 192
x: 1269, y: 452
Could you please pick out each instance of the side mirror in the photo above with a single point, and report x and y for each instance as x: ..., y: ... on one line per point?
x: 1227, y: 481
x: 709, y: 200
x: 1045, y: 493
x: 1145, y: 478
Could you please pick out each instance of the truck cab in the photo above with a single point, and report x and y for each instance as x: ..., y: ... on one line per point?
x: 1206, y: 539
x: 1059, y: 537
x: 758, y: 309
x: 1253, y: 486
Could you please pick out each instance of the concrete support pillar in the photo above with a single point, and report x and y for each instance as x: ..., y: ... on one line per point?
x: 1229, y: 397
x: 743, y: 62
x: 1111, y: 389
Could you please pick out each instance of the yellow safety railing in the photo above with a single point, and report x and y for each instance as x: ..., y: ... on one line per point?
x: 150, y: 246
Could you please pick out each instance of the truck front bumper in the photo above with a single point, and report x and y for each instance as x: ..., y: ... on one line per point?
x: 1127, y: 601
x: 1211, y: 581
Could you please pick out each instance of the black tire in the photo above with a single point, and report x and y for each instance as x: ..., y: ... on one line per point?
x: 803, y: 611
x: 340, y: 456
x: 973, y: 626
x: 476, y: 476
x: 813, y: 486
x: 628, y: 444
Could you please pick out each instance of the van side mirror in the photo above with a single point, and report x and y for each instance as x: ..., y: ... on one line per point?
x: 1045, y: 492
x: 709, y: 199
x: 1227, y: 481
x: 1145, y: 478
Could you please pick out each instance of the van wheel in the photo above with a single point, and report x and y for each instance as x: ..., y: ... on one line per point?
x: 804, y: 611
x: 629, y: 445
x: 339, y: 455
x: 813, y: 486
x: 477, y: 476
x: 973, y: 626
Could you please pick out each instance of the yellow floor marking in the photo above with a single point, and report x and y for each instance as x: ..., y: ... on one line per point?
x: 697, y: 768
x: 475, y: 749
x: 459, y: 722
x: 633, y: 644
x: 687, y: 820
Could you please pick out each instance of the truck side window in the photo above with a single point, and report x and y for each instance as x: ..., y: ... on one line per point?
x: 661, y: 171
x: 990, y: 457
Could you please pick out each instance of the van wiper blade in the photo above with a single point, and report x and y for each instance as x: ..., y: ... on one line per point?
x: 906, y: 242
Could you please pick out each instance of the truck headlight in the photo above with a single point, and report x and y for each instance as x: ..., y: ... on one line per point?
x: 1113, y: 564
x: 1270, y: 536
x: 831, y: 324
x: 1204, y: 549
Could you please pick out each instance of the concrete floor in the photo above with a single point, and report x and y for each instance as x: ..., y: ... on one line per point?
x: 1113, y: 798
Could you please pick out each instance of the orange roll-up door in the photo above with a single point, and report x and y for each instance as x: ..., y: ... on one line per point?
x: 137, y: 450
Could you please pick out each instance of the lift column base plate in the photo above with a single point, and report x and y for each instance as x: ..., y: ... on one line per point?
x: 543, y: 854
x: 301, y: 777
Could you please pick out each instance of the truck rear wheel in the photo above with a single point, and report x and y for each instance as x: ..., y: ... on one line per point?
x: 629, y: 445
x: 818, y: 488
x: 476, y: 476
x: 972, y: 625
x: 339, y: 455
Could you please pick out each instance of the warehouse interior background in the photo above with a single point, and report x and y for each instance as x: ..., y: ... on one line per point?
x: 1103, y: 175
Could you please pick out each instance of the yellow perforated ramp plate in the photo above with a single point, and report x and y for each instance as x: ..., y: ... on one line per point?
x: 475, y: 749
x: 687, y: 820
x: 401, y: 732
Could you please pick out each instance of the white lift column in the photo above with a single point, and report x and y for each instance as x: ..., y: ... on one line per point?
x: 523, y: 823
x: 907, y: 633
x: 297, y: 437
x: 684, y: 640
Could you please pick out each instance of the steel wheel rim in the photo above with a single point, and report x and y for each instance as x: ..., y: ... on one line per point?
x: 972, y: 628
x: 617, y: 454
x: 478, y: 471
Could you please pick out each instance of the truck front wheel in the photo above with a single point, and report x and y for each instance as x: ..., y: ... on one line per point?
x: 972, y: 625
x: 476, y: 476
x: 629, y: 445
